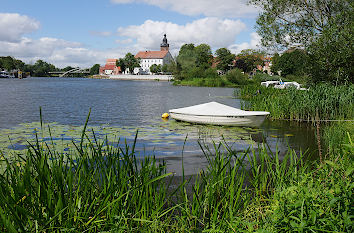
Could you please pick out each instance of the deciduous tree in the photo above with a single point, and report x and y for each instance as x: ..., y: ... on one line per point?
x: 186, y: 58
x: 292, y: 62
x: 331, y: 55
x: 204, y: 56
x: 131, y: 62
x: 121, y: 63
x: 224, y: 59
x: 95, y: 69
x: 251, y: 59
x: 288, y: 22
x: 42, y: 68
x: 155, y: 68
x: 323, y: 27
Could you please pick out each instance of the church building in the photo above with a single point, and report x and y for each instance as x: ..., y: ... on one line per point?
x: 148, y: 58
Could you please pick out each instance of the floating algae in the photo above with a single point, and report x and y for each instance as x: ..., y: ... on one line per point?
x: 170, y: 134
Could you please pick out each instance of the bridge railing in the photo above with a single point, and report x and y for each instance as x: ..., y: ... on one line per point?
x: 76, y: 70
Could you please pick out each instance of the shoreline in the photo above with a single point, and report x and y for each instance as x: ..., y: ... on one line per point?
x: 135, y: 77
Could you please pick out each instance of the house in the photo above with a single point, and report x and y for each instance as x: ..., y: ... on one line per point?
x: 148, y: 58
x: 267, y: 64
x: 110, y: 68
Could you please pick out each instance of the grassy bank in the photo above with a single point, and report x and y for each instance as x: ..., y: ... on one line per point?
x: 97, y: 187
x: 324, y: 101
x: 329, y: 107
x: 205, y: 82
x: 235, y: 78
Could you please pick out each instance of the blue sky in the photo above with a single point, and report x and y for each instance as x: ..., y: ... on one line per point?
x: 82, y: 33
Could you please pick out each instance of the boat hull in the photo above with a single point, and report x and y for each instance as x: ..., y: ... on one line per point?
x: 252, y: 121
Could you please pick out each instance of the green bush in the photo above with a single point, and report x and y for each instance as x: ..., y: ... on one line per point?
x: 211, y: 73
x: 236, y: 76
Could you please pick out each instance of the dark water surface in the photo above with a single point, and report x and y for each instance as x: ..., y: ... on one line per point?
x: 119, y: 108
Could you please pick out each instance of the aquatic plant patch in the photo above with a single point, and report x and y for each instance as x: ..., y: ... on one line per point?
x: 99, y: 188
x: 325, y: 102
x: 169, y: 134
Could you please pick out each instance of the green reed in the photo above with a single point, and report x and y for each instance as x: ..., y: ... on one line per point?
x: 99, y: 187
x: 205, y: 82
x: 324, y: 102
x: 93, y: 188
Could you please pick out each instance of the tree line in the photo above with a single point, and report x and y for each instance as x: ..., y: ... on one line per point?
x: 200, y: 62
x: 316, y: 37
x: 322, y: 29
x: 39, y: 69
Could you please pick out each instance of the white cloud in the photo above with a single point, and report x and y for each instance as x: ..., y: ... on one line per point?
x: 213, y: 31
x: 220, y: 8
x: 253, y: 44
x: 14, y: 26
x: 59, y: 52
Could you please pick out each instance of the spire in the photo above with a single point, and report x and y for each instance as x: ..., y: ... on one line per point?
x: 164, y: 45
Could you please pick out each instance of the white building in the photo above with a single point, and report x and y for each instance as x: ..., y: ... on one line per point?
x: 148, y: 58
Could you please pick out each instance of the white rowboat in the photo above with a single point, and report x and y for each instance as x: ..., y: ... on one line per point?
x: 218, y: 114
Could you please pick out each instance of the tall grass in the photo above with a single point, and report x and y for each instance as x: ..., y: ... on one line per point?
x: 323, y: 101
x: 205, y: 82
x: 90, y: 189
x: 98, y: 187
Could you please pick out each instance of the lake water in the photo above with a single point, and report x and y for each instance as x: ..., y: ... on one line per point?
x: 120, y: 108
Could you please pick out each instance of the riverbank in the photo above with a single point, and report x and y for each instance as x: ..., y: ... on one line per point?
x: 135, y: 77
x: 324, y: 101
x: 200, y: 82
x: 98, y: 187
x: 237, y: 79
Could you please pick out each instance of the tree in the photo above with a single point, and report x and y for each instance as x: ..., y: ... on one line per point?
x: 159, y: 68
x: 42, y: 68
x: 186, y: 58
x: 224, y: 59
x: 121, y: 63
x: 171, y: 67
x: 292, y: 62
x: 164, y: 68
x: 192, y: 61
x: 131, y: 62
x: 331, y: 56
x: 241, y: 64
x: 275, y: 63
x: 323, y: 27
x: 7, y: 63
x: 250, y: 59
x: 288, y: 22
x: 204, y: 56
x: 154, y: 69
x: 95, y: 69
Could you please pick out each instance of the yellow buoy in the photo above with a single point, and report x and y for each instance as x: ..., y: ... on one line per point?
x: 165, y: 115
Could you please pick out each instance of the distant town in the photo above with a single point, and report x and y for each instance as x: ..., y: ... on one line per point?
x: 147, y: 63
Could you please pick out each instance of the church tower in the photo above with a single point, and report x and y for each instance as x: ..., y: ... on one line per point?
x: 164, y: 45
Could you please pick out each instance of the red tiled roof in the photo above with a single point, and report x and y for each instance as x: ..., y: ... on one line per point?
x: 151, y: 54
x: 109, y: 67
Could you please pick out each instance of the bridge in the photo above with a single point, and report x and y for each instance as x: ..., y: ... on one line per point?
x: 76, y: 70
